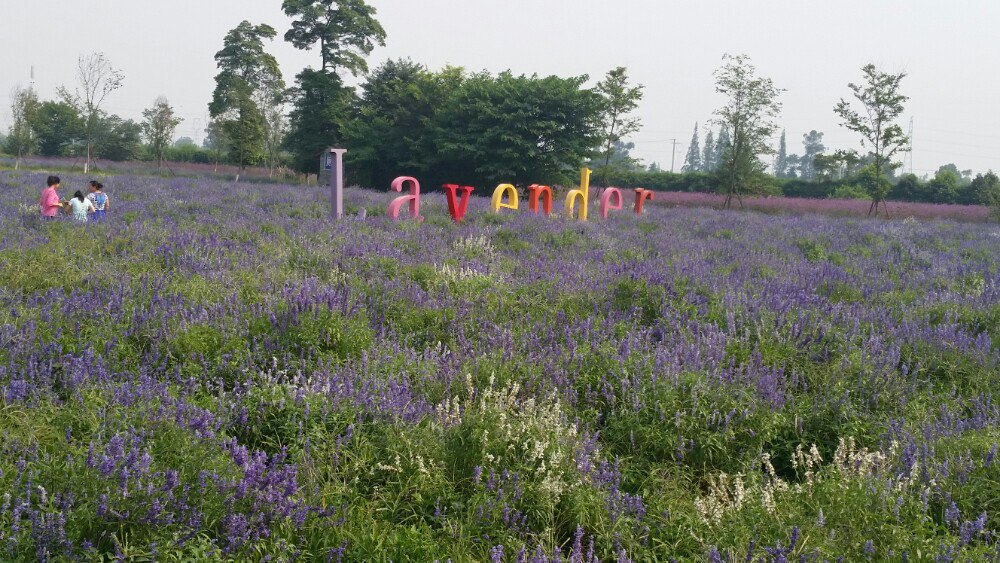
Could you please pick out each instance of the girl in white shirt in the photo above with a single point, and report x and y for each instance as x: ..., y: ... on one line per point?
x: 80, y: 207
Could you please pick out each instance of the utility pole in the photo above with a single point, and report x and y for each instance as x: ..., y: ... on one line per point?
x: 673, y: 155
x: 910, y: 149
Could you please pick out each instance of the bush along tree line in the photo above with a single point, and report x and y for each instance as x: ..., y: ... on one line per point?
x: 454, y: 125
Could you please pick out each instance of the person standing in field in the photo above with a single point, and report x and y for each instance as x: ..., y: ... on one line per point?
x: 99, y: 199
x: 49, y: 201
x: 80, y: 207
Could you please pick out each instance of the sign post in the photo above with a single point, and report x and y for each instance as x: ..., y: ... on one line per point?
x: 333, y: 163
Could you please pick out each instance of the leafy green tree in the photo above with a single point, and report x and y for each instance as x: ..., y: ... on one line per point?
x: 748, y: 115
x: 944, y: 187
x: 158, y: 126
x: 708, y: 161
x: 793, y: 165
x: 321, y: 107
x: 117, y: 139
x: 396, y: 128
x: 58, y: 127
x: 186, y: 150
x: 621, y: 158
x: 247, y: 72
x: 781, y: 160
x: 982, y: 190
x: 519, y: 129
x: 875, y: 182
x: 21, y: 141
x: 692, y: 162
x: 881, y: 105
x: 812, y: 145
x: 987, y: 188
x: 827, y: 166
x: 345, y: 30
x: 909, y: 188
x: 96, y: 80
x: 964, y: 176
x: 215, y: 141
x: 271, y: 100
x: 617, y: 121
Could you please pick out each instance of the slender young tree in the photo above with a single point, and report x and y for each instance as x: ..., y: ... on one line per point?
x: 96, y: 80
x: 22, y: 140
x: 158, y: 126
x: 619, y: 101
x: 692, y: 163
x: 748, y: 116
x: 881, y: 105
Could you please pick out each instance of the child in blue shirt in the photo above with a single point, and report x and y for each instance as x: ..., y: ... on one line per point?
x: 99, y: 199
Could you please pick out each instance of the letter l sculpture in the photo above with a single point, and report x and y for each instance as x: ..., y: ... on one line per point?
x: 337, y: 183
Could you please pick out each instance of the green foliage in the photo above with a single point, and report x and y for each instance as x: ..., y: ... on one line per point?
x: 874, y: 183
x: 881, y: 105
x: 518, y: 129
x: 618, y: 102
x: 814, y: 250
x: 22, y: 139
x: 58, y: 127
x: 850, y: 192
x: 117, y: 139
x: 346, y: 31
x: 247, y: 74
x: 693, y: 162
x: 330, y: 333
x: 396, y: 129
x: 321, y: 107
x: 159, y: 124
x: 985, y: 189
x: 748, y: 117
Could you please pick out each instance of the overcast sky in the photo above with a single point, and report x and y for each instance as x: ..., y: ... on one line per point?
x: 812, y: 49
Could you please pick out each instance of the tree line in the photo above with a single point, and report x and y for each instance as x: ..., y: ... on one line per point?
x: 477, y: 128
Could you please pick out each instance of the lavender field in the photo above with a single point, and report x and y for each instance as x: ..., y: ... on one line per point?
x: 220, y: 372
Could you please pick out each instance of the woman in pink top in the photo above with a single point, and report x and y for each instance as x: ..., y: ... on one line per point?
x: 49, y: 202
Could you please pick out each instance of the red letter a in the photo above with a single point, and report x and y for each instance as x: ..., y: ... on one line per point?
x: 455, y: 207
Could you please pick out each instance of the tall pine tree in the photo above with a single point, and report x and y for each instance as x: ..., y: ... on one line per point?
x: 708, y: 158
x: 722, y: 147
x: 693, y: 161
x: 781, y: 161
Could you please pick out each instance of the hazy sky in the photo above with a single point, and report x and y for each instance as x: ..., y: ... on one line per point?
x: 812, y: 49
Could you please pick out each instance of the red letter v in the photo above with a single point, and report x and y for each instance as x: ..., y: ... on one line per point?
x: 455, y: 207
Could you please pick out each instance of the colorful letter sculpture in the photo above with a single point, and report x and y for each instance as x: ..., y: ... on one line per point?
x: 545, y: 192
x: 641, y: 196
x: 607, y: 205
x: 583, y: 194
x: 457, y: 207
x: 498, y: 194
x: 335, y: 164
x: 413, y: 199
